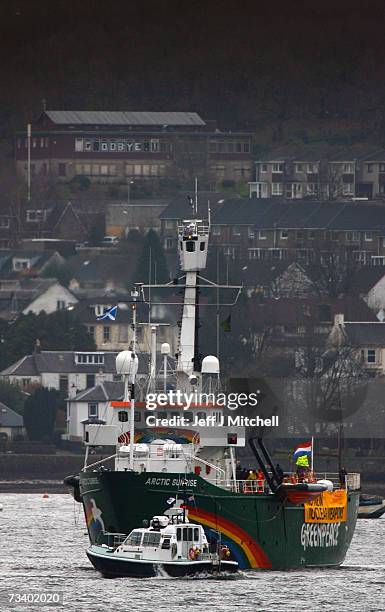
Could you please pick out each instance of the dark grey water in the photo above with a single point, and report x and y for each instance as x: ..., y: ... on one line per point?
x: 42, y: 547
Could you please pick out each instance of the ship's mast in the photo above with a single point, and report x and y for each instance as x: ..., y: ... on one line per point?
x: 193, y: 237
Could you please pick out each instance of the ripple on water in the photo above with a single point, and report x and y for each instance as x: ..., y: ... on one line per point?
x: 43, y: 548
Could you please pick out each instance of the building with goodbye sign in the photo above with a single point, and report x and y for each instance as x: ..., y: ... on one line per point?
x: 116, y: 146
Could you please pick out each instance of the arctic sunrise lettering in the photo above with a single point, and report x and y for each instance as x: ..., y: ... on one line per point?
x: 212, y: 421
x: 171, y: 482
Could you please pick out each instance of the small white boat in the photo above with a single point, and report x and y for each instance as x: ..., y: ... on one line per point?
x: 171, y: 544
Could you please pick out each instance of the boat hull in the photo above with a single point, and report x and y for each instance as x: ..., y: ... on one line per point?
x: 113, y: 566
x: 262, y: 531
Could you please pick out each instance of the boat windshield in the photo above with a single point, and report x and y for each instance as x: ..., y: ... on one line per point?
x: 134, y: 539
x: 151, y: 538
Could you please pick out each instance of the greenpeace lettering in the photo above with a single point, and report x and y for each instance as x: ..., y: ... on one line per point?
x: 171, y: 482
x: 319, y: 536
x: 330, y: 507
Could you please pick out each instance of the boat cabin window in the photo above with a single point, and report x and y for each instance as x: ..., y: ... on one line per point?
x: 179, y: 535
x: 190, y: 246
x: 188, y: 534
x: 196, y: 534
x: 189, y: 416
x: 135, y: 538
x: 151, y: 538
x: 202, y: 246
x: 166, y: 543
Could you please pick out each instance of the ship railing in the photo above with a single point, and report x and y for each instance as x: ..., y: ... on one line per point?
x: 244, y: 486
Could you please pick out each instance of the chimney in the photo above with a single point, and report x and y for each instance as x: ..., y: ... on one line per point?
x: 339, y: 319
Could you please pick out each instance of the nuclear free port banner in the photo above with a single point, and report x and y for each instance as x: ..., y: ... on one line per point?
x: 329, y: 507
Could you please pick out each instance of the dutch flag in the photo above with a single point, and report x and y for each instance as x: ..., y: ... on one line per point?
x: 303, y: 449
x: 109, y: 314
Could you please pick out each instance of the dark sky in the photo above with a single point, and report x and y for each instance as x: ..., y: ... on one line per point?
x: 240, y: 62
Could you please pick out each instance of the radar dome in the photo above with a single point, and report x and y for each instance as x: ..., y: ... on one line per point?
x: 210, y: 365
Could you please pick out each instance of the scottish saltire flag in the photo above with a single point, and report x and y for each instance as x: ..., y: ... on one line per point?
x: 170, y: 500
x: 109, y: 314
x: 302, y: 449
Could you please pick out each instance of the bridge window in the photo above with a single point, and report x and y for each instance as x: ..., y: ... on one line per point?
x: 190, y: 246
x: 203, y: 244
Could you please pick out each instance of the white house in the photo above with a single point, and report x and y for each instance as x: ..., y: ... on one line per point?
x: 367, y: 339
x: 11, y: 423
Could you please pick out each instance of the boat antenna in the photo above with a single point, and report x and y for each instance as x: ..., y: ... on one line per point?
x: 196, y: 195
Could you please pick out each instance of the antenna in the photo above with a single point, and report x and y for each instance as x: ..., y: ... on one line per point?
x: 208, y: 212
x: 196, y: 196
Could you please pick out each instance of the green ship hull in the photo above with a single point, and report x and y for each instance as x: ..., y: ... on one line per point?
x: 261, y: 530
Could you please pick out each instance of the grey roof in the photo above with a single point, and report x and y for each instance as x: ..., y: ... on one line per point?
x: 99, y: 269
x: 320, y: 151
x: 63, y: 362
x: 66, y: 117
x: 9, y: 418
x: 365, y: 334
x: 295, y: 214
x: 180, y: 207
x: 103, y: 392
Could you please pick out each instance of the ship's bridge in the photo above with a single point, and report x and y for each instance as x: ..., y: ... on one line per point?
x: 193, y: 237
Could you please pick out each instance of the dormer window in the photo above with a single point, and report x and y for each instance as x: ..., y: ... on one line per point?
x: 89, y: 358
x: 21, y: 264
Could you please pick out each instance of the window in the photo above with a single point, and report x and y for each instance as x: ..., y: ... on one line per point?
x: 352, y: 236
x: 368, y: 236
x: 93, y: 411
x: 381, y: 167
x: 89, y: 358
x: 4, y: 222
x: 137, y: 416
x: 91, y: 330
x: 369, y: 355
x: 190, y: 246
x: 63, y: 383
x: 369, y: 168
x: 284, y: 234
x: 90, y: 381
x: 262, y: 235
x: 21, y: 264
x: 348, y: 168
x: 78, y: 144
x: 298, y: 167
x: 312, y: 188
x: 106, y: 333
x: 25, y: 382
x: 348, y: 189
x: 250, y: 233
x: 277, y: 167
x: 312, y: 169
x: 202, y: 246
x: 134, y: 539
x: 216, y: 230
x: 236, y: 231
x: 311, y: 234
x: 263, y: 167
x: 62, y: 169
x: 276, y: 189
x: 151, y: 538
x: 299, y: 234
x: 60, y: 304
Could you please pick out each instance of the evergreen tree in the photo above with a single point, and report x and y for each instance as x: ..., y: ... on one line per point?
x: 12, y: 396
x: 40, y: 413
x: 57, y: 331
x: 152, y: 250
